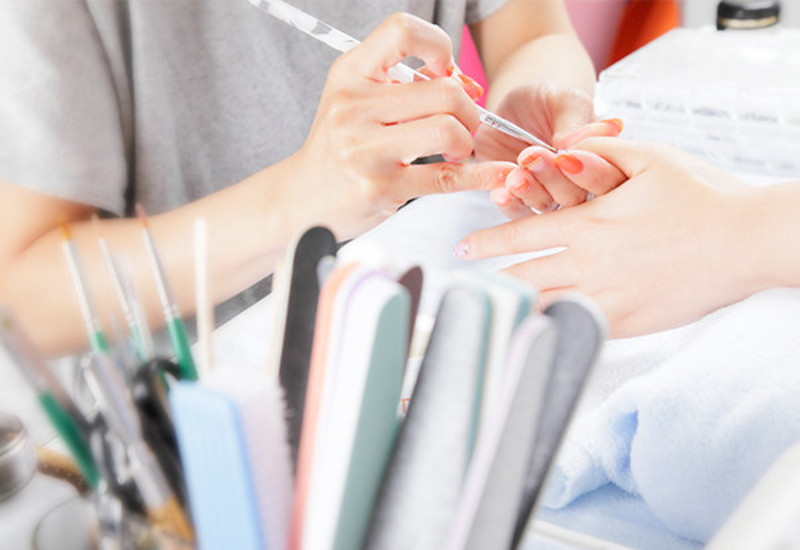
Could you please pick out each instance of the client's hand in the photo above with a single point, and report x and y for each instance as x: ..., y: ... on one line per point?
x: 355, y: 167
x: 559, y: 117
x: 661, y: 250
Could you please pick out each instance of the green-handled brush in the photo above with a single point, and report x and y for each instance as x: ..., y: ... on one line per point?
x: 175, y: 326
x: 52, y: 396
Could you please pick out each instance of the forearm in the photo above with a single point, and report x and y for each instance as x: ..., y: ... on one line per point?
x: 558, y: 59
x: 248, y: 226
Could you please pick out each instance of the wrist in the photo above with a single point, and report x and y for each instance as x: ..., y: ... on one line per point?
x: 767, y: 228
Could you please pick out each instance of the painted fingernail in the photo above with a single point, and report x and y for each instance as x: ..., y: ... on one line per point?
x: 532, y: 162
x: 518, y: 182
x: 568, y: 163
x: 461, y: 250
x: 473, y: 89
x: 451, y: 70
x: 616, y: 123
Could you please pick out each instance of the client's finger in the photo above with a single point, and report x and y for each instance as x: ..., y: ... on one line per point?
x: 546, y: 273
x: 512, y: 207
x: 611, y: 127
x: 589, y: 171
x: 538, y: 161
x: 529, y: 234
x: 524, y: 186
x: 631, y: 157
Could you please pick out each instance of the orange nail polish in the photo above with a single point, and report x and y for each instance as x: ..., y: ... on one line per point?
x: 616, y: 123
x: 451, y: 70
x: 531, y: 161
x: 568, y: 163
x: 473, y: 89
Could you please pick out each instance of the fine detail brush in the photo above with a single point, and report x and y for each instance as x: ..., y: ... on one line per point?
x: 119, y: 289
x: 175, y: 326
x: 52, y: 396
x: 97, y: 339
x: 343, y: 42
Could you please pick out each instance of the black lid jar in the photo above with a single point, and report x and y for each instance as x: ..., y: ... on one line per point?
x: 747, y: 14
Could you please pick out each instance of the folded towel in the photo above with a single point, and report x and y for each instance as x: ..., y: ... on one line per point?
x: 692, y: 435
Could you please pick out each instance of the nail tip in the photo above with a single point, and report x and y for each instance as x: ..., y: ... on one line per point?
x: 617, y: 123
x: 461, y: 250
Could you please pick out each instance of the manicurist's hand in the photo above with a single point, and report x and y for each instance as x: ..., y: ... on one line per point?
x: 670, y: 241
x: 355, y: 166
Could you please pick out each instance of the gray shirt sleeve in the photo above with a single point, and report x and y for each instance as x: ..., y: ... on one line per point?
x: 480, y: 9
x: 60, y: 129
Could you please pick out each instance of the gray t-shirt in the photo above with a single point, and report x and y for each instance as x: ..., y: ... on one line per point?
x: 111, y: 102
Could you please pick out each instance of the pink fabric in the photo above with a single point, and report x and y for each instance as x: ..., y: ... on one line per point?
x: 470, y: 64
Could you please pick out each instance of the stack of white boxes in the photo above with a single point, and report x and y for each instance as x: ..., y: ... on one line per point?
x: 739, y: 107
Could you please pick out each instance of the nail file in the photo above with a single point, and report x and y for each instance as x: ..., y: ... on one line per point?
x: 489, y: 503
x: 512, y: 301
x: 426, y: 472
x: 581, y: 332
x: 360, y: 421
x: 295, y: 313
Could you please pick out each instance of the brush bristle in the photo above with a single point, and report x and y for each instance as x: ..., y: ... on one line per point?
x: 65, y: 231
x: 140, y: 212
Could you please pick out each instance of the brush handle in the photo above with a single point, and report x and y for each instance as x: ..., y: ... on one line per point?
x: 72, y: 437
x: 98, y: 342
x: 183, y: 353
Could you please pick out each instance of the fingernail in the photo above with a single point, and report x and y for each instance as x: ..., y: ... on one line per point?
x: 518, y: 183
x: 451, y: 70
x: 461, y: 250
x: 568, y: 163
x: 503, y: 173
x: 532, y: 161
x: 500, y: 196
x: 616, y: 123
x: 473, y: 89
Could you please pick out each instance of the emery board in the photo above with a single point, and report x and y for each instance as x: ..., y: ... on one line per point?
x: 511, y: 302
x: 361, y: 424
x: 297, y: 331
x: 426, y: 472
x: 487, y: 510
x: 581, y: 331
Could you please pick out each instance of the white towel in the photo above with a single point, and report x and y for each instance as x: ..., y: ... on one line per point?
x: 692, y: 435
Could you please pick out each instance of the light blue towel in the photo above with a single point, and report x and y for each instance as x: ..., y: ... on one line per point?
x: 694, y: 434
